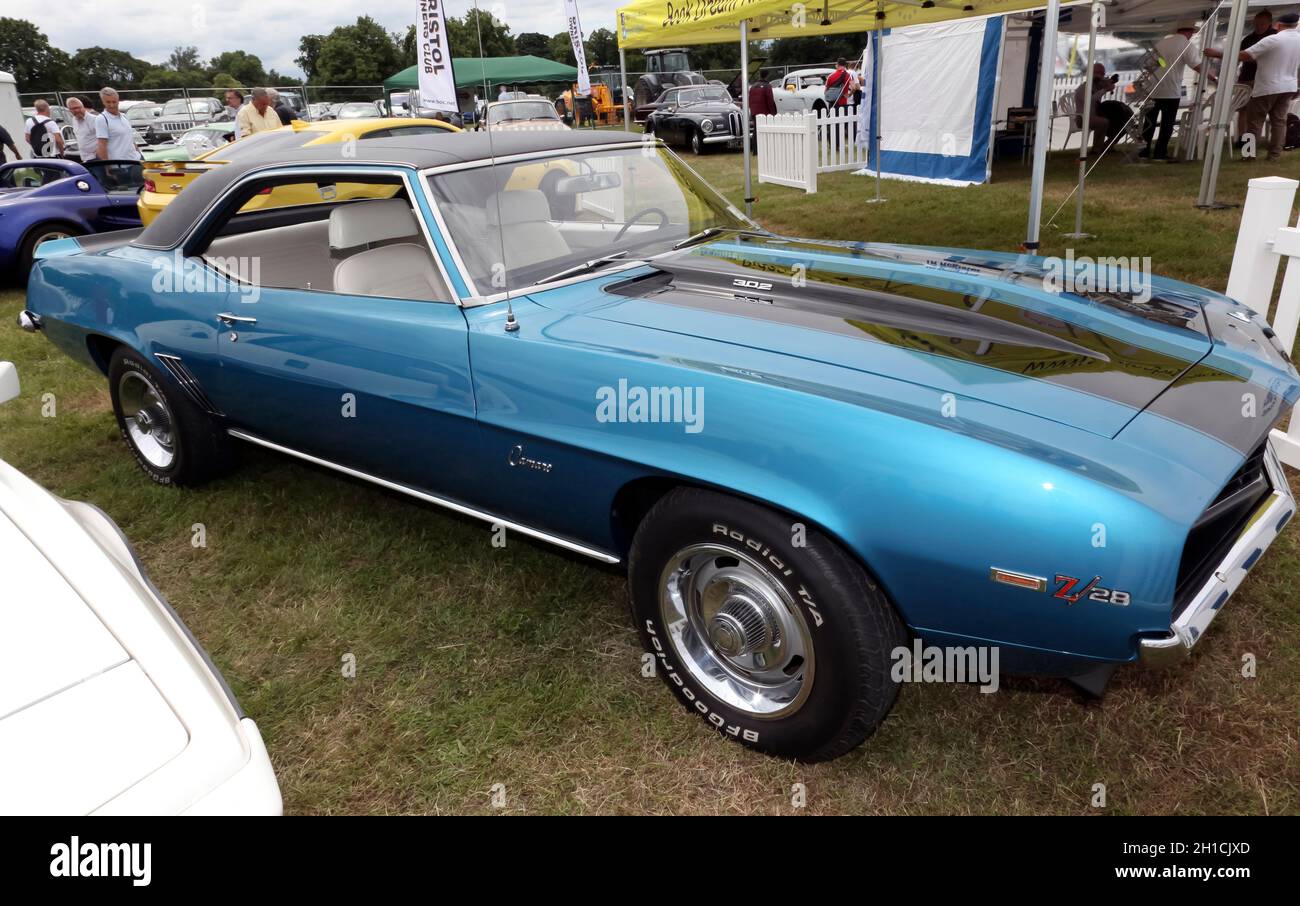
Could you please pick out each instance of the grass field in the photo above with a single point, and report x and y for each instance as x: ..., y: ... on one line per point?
x: 478, y: 666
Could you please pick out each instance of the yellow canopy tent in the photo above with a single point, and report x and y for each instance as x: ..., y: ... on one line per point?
x: 668, y: 23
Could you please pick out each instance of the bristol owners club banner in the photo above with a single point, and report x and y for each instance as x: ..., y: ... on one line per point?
x: 437, y: 83
x: 575, y: 37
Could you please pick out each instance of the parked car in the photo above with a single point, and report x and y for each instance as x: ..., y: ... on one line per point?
x: 194, y: 142
x: 163, y: 180
x: 697, y: 116
x: 527, y: 113
x: 108, y: 704
x: 899, y: 442
x: 179, y: 115
x: 52, y: 198
x: 318, y: 112
x: 145, y: 120
x: 802, y: 89
x: 358, y: 110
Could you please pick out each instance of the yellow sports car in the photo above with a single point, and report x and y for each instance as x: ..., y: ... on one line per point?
x: 163, y: 180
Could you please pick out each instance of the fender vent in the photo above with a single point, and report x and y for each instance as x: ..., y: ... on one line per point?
x: 189, y: 383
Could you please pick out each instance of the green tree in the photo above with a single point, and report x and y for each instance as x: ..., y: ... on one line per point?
x: 226, y: 80
x: 358, y: 54
x: 602, y: 48
x: 94, y: 67
x: 532, y: 43
x: 479, y: 29
x: 561, y: 49
x: 244, y: 67
x: 183, y: 59
x: 308, y: 53
x: 163, y: 77
x: 26, y: 53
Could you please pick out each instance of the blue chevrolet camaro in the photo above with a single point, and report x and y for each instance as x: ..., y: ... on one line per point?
x: 809, y: 455
x: 51, y: 198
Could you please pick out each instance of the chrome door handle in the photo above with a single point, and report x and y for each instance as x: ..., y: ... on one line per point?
x: 228, y: 319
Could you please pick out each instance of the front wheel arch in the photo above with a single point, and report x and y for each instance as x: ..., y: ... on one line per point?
x: 27, y: 257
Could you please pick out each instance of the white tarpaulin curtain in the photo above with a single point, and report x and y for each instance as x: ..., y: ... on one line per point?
x: 937, y: 88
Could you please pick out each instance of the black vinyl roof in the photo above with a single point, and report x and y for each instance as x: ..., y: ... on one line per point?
x: 419, y: 151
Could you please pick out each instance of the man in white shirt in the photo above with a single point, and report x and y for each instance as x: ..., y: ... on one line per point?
x: 83, y: 126
x: 258, y: 115
x: 42, y: 133
x: 1176, y: 53
x: 1277, y: 79
x: 114, y: 137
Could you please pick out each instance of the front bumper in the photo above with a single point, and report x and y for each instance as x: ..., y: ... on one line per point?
x: 716, y: 138
x: 1263, y: 527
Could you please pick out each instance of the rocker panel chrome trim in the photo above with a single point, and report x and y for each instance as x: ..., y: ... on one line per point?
x: 430, y: 498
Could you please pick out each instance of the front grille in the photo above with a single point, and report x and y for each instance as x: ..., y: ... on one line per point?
x: 733, y: 123
x: 1219, y: 526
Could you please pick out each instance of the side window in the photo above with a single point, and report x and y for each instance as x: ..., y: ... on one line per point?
x: 348, y: 236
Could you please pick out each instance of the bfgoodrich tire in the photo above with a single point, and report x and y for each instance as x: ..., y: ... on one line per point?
x: 172, y: 439
x: 784, y: 648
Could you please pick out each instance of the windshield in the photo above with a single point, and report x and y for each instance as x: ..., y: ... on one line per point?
x: 171, y: 108
x: 197, y: 141
x: 522, y: 110
x: 356, y: 110
x: 545, y: 215
x: 700, y: 96
x: 140, y: 113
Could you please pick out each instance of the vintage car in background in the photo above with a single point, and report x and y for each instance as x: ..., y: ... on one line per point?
x: 534, y: 112
x: 697, y: 117
x: 52, y: 198
x: 108, y: 704
x: 801, y: 89
x: 807, y: 454
x: 194, y: 142
x: 163, y: 181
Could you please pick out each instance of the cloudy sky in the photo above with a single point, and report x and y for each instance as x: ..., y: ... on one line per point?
x: 268, y: 28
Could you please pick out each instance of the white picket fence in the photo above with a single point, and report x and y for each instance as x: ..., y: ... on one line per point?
x: 794, y: 147
x: 1263, y: 240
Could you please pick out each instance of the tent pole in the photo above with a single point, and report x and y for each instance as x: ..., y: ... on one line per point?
x: 622, y: 81
x: 1194, y: 112
x: 744, y: 114
x: 1085, y: 116
x: 877, y: 68
x: 1222, y: 109
x: 1042, y: 123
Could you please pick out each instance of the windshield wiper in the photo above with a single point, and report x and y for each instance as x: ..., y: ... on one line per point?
x: 582, y: 268
x: 714, y: 231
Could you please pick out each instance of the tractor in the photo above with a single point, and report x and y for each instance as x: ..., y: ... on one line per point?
x: 664, y: 69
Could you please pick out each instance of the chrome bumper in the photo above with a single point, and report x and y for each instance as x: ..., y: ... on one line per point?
x: 1272, y: 514
x: 716, y: 137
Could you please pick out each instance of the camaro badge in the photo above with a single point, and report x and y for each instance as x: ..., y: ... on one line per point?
x: 1068, y: 588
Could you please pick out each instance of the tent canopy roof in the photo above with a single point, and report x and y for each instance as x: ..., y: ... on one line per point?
x: 665, y: 23
x: 474, y: 71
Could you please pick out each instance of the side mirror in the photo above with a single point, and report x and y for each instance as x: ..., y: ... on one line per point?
x: 8, y: 382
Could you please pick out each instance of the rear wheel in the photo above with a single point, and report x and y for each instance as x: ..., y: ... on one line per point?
x: 174, y: 441
x: 43, y: 232
x: 784, y: 648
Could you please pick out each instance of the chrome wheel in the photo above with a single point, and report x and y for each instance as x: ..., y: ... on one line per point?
x: 148, y: 421
x: 737, y: 631
x: 50, y: 237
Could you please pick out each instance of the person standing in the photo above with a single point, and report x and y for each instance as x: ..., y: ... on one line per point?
x: 1263, y: 28
x: 234, y: 102
x: 7, y: 141
x: 1176, y: 52
x: 83, y: 127
x: 42, y: 133
x: 1277, y: 79
x: 282, y: 110
x: 839, y: 85
x: 114, y: 137
x: 257, y: 115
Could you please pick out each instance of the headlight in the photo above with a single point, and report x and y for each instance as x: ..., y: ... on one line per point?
x: 707, y: 125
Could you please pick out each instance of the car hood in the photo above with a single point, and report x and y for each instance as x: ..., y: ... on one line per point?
x: 984, y: 325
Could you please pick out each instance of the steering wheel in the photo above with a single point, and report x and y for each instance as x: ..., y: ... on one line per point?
x: 663, y: 220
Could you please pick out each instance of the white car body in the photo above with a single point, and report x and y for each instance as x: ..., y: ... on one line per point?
x: 107, y: 704
x: 802, y: 89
